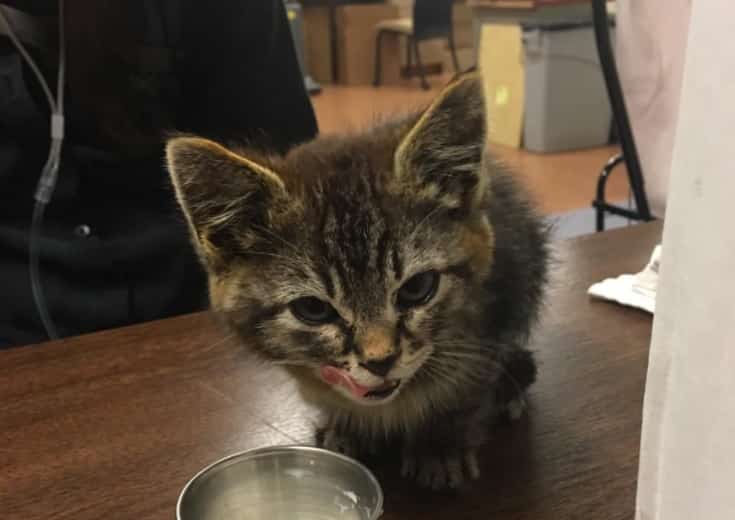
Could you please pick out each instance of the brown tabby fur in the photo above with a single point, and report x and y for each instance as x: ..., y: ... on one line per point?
x: 348, y: 220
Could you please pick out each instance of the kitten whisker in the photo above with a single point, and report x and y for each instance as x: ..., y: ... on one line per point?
x: 475, y: 369
x: 282, y: 240
x: 228, y: 337
x: 422, y: 222
x: 287, y: 259
x: 289, y: 362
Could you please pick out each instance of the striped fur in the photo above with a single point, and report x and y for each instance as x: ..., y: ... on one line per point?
x: 349, y: 219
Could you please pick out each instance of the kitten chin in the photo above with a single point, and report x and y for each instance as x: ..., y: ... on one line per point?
x: 409, y: 410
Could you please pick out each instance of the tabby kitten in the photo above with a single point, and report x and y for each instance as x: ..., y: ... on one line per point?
x: 395, y: 273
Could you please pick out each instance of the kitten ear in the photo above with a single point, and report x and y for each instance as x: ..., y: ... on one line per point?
x: 441, y: 156
x: 224, y: 196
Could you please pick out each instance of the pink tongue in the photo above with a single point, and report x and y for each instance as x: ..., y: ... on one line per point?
x: 336, y: 376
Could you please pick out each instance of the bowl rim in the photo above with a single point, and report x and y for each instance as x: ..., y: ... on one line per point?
x: 285, y: 448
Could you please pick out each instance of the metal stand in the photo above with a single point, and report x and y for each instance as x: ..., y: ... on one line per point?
x: 625, y: 133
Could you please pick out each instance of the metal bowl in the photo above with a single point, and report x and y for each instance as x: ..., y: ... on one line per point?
x: 282, y: 483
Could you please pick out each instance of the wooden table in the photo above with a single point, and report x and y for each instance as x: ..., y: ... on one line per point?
x: 527, y: 13
x: 520, y: 4
x: 112, y: 425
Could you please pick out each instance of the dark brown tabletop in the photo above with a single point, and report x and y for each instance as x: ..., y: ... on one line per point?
x: 112, y: 425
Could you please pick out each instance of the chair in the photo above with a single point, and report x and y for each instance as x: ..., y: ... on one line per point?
x: 625, y: 133
x: 431, y: 19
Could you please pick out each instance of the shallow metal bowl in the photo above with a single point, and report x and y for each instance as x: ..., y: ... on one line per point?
x: 282, y: 483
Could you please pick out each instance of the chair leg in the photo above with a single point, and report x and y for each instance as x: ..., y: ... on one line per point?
x: 420, y: 65
x: 600, y: 203
x: 453, y: 51
x: 378, y: 60
x: 409, y: 53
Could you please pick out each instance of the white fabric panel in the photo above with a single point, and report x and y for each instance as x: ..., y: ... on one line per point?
x: 687, y: 469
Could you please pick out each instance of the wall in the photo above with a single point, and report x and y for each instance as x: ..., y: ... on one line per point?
x: 688, y: 448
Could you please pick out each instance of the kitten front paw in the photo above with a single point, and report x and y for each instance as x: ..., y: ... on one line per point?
x: 516, y: 407
x: 441, y: 471
x: 333, y: 440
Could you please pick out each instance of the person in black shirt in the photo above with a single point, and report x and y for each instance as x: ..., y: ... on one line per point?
x: 114, y: 249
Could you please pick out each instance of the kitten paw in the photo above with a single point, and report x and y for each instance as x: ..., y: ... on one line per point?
x: 516, y: 407
x: 441, y: 472
x: 332, y: 440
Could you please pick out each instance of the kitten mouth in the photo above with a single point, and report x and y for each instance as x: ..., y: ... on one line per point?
x: 339, y: 377
x: 383, y: 391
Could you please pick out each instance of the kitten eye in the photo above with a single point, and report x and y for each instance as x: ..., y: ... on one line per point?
x: 313, y: 311
x: 418, y: 289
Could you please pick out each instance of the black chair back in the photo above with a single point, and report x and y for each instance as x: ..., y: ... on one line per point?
x: 432, y: 18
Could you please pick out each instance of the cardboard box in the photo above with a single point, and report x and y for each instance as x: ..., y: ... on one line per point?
x: 461, y: 19
x: 501, y: 64
x: 464, y: 36
x: 465, y: 57
x: 318, y: 50
x: 356, y: 40
x: 405, y: 7
x: 432, y: 52
x: 435, y: 53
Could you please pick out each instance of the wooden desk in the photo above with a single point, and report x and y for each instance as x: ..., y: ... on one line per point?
x: 527, y: 12
x: 520, y: 4
x: 112, y: 425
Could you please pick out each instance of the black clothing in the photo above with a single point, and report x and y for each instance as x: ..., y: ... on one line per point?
x: 114, y: 249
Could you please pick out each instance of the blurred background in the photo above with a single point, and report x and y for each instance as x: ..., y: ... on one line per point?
x: 550, y: 111
x: 582, y: 101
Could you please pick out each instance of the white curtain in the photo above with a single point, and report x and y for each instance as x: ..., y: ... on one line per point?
x: 650, y: 45
x: 687, y: 469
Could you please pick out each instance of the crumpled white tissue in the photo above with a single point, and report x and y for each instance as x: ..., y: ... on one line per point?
x: 634, y: 290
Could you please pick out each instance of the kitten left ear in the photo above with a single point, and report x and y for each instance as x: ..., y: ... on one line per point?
x: 441, y: 156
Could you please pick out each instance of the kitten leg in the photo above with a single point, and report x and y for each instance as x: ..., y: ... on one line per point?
x: 437, y: 472
x: 516, y: 407
x: 470, y: 461
x: 519, y: 374
x: 442, y: 471
x: 335, y: 438
x: 443, y: 453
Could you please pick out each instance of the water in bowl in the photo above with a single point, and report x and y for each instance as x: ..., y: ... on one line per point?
x: 286, y: 488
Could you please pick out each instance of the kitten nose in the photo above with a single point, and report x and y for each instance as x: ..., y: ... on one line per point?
x: 380, y: 367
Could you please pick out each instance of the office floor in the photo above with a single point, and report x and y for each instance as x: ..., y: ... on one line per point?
x: 560, y: 182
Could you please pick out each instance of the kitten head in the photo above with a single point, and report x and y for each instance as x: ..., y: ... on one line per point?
x: 355, y: 260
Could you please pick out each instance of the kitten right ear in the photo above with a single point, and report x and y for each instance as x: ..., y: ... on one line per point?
x: 223, y: 195
x: 441, y: 157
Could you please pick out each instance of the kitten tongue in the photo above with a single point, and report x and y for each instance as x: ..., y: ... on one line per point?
x: 336, y: 376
